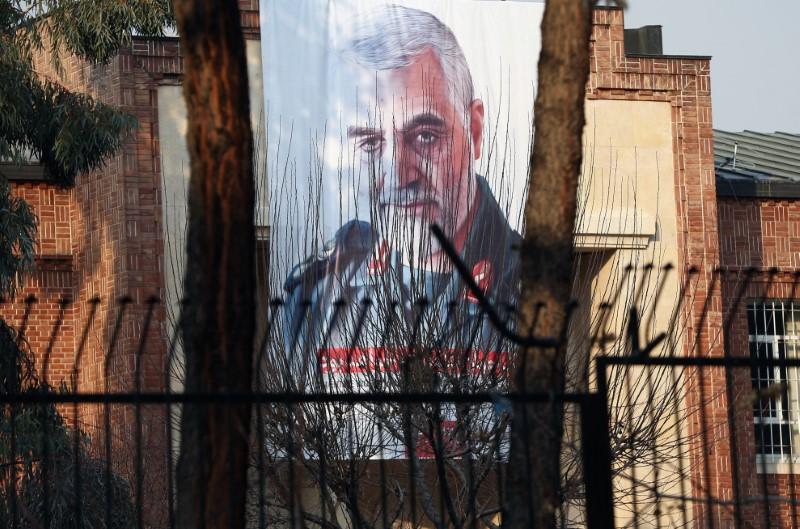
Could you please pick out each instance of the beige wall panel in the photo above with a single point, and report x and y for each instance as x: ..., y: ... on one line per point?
x: 628, y: 218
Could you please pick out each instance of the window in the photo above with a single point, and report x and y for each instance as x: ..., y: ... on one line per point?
x: 774, y: 332
x: 23, y: 166
x: 24, y: 172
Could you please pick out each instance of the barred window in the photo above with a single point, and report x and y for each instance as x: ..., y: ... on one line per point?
x: 774, y: 332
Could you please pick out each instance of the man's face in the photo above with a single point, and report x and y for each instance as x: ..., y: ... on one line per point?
x: 418, y: 144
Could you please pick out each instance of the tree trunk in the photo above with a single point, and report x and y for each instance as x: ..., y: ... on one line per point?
x: 546, y: 260
x: 218, y: 320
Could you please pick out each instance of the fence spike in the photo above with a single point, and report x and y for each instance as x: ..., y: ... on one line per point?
x: 667, y: 270
x: 76, y: 366
x: 30, y: 301
x: 62, y: 307
x: 122, y: 302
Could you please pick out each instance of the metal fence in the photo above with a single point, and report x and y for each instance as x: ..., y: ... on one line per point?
x: 341, y: 454
x: 650, y: 441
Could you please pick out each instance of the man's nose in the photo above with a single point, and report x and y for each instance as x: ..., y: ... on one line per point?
x: 401, y: 165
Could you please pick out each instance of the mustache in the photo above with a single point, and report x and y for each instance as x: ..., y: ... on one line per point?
x: 406, y: 196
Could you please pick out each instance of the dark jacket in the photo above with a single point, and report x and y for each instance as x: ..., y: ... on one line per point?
x: 349, y: 305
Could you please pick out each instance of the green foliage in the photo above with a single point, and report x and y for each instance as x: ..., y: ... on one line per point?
x: 40, y: 120
x: 38, y: 456
x: 90, y: 29
x: 17, y: 239
x: 68, y: 133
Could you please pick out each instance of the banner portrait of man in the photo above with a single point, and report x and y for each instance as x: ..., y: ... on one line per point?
x: 406, y: 131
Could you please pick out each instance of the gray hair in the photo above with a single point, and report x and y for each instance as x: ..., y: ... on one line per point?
x: 392, y: 36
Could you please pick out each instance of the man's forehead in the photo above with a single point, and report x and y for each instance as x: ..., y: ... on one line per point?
x: 420, y: 83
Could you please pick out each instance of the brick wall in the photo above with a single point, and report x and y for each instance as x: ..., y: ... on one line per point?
x: 760, y: 232
x: 683, y: 82
x: 51, y: 282
x: 759, y: 238
x: 103, y: 240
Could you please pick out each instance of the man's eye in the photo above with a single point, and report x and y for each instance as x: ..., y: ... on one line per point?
x: 371, y: 144
x: 426, y: 138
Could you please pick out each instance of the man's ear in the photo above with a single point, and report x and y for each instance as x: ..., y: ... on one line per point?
x: 476, y: 126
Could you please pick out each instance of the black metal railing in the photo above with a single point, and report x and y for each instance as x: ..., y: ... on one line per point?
x: 117, y: 465
x: 651, y: 440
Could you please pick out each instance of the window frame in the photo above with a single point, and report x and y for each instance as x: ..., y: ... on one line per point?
x: 783, y: 409
x: 22, y: 172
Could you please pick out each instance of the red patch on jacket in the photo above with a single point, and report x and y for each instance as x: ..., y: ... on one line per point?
x: 380, y: 261
x: 482, y: 273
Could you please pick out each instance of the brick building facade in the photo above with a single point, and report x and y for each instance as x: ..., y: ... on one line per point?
x: 100, y: 246
x: 105, y: 239
x: 758, y: 180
